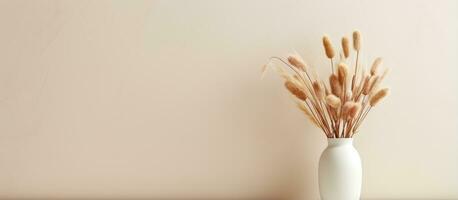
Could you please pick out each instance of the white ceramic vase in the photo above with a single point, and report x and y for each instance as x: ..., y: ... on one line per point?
x: 340, y: 172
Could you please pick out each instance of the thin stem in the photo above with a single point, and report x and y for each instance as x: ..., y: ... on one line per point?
x: 332, y: 65
x: 293, y: 68
x: 311, y: 111
x: 355, y: 75
x: 344, y: 100
x: 326, y: 112
x: 315, y: 102
x: 359, y: 89
x: 316, y: 118
x: 339, y: 119
x: 362, y: 118
x: 357, y: 58
x: 353, y: 85
x: 296, y: 71
x: 343, y: 128
x: 363, y: 106
x: 350, y: 128
x: 300, y: 76
x: 337, y: 123
x: 323, y: 118
x: 331, y: 116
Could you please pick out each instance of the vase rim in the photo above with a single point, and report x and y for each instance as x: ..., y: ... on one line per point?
x: 332, y: 141
x: 341, y: 139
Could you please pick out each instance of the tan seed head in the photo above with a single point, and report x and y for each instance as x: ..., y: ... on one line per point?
x: 319, y: 91
x: 329, y: 50
x: 365, y: 85
x: 297, y: 62
x: 348, y: 94
x: 378, y: 96
x: 336, y: 88
x: 306, y: 111
x: 298, y: 80
x: 357, y: 40
x: 346, y: 109
x: 295, y: 90
x: 346, y: 46
x: 375, y: 65
x: 342, y: 71
x: 333, y: 101
x: 354, y: 110
x: 368, y: 87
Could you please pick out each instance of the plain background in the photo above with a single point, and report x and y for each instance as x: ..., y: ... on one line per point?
x: 163, y: 99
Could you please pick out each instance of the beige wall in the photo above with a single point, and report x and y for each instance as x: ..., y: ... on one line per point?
x: 155, y: 99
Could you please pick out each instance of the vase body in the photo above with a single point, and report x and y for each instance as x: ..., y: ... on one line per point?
x: 340, y: 171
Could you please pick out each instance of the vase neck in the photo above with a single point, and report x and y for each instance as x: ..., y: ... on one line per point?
x: 340, y: 141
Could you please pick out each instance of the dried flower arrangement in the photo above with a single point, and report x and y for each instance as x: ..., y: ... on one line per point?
x: 340, y: 107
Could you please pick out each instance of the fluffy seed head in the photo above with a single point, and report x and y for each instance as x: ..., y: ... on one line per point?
x: 386, y: 72
x: 348, y: 94
x: 357, y: 40
x: 359, y: 87
x: 346, y: 46
x: 346, y: 108
x: 342, y: 71
x: 285, y: 75
x: 306, y: 111
x: 295, y: 90
x: 375, y: 65
x: 325, y: 88
x: 378, y: 96
x: 374, y: 83
x: 375, y: 86
x: 368, y: 87
x: 329, y: 50
x: 333, y: 101
x: 319, y: 91
x: 298, y: 81
x: 336, y: 88
x: 297, y: 62
x: 354, y: 110
x: 367, y: 78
